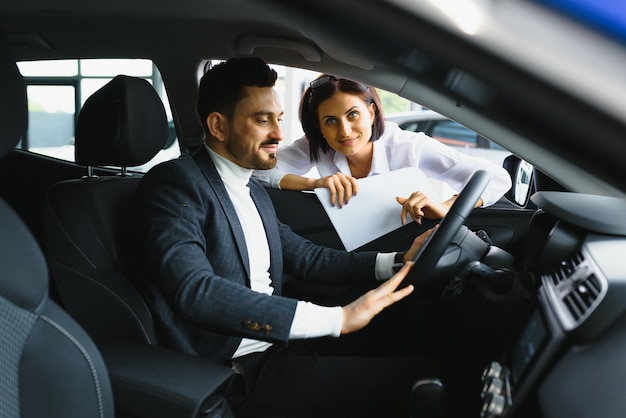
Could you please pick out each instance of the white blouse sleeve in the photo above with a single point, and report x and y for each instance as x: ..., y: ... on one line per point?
x: 455, y: 168
x: 442, y: 162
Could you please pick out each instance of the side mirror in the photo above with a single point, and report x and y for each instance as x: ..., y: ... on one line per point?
x: 521, y: 173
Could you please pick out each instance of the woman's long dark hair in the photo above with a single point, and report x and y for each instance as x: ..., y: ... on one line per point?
x: 324, y: 87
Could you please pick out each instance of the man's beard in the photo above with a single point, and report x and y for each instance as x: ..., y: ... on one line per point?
x: 250, y: 160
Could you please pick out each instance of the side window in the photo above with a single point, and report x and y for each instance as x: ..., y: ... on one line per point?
x: 412, y: 126
x: 467, y: 141
x: 453, y: 133
x: 292, y: 82
x: 52, y: 116
x: 57, y: 90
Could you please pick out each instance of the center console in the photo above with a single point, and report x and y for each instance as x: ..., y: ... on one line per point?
x: 506, y: 383
x: 566, y: 299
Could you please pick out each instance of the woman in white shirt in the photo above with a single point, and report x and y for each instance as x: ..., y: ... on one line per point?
x: 347, y: 138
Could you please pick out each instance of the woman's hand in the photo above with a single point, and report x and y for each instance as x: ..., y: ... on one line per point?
x: 341, y: 186
x: 359, y: 313
x: 419, y: 206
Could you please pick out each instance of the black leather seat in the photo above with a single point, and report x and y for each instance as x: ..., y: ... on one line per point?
x: 49, y: 366
x: 86, y: 225
x: 86, y: 220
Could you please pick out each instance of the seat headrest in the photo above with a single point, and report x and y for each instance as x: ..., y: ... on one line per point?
x: 123, y: 124
x: 13, y: 102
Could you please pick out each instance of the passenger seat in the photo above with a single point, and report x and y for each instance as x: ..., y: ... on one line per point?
x: 87, y: 241
x: 86, y: 221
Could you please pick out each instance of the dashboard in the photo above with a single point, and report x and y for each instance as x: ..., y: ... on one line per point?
x: 569, y: 358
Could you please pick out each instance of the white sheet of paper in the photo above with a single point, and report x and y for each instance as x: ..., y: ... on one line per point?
x: 374, y: 212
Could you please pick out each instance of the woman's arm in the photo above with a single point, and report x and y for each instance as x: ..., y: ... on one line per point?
x: 296, y: 182
x: 342, y: 187
x: 444, y: 163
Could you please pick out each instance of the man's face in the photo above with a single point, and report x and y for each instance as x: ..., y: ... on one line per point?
x: 251, y: 138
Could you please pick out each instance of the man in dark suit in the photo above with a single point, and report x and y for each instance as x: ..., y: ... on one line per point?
x: 216, y: 252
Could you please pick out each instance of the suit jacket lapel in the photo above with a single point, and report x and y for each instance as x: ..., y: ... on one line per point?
x: 268, y: 216
x: 215, y: 182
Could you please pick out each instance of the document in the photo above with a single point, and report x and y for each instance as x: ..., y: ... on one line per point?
x: 374, y: 212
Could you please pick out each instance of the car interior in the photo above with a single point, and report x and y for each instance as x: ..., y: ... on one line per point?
x: 534, y: 283
x: 56, y: 365
x: 86, y: 220
x: 50, y: 365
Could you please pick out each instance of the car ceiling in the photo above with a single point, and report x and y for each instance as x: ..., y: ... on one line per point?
x: 472, y: 81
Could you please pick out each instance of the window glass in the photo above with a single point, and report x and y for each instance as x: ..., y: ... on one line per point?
x: 89, y: 86
x: 453, y: 133
x: 58, y: 89
x: 448, y: 132
x: 51, y: 111
x: 49, y: 68
x: 113, y: 67
x: 291, y: 84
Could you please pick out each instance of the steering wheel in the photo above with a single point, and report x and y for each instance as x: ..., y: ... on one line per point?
x: 435, y: 245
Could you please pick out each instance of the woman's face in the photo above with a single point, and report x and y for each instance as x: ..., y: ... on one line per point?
x: 346, y: 123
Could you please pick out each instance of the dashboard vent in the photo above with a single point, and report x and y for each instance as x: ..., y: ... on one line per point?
x: 582, y: 296
x: 577, y: 287
x: 568, y: 266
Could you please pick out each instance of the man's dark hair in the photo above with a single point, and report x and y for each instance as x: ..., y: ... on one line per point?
x: 223, y: 86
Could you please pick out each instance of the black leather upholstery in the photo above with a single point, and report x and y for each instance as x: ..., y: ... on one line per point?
x: 86, y: 238
x: 122, y: 124
x: 49, y: 367
x: 86, y: 221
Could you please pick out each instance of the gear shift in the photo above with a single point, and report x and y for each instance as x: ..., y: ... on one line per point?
x: 428, y: 399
